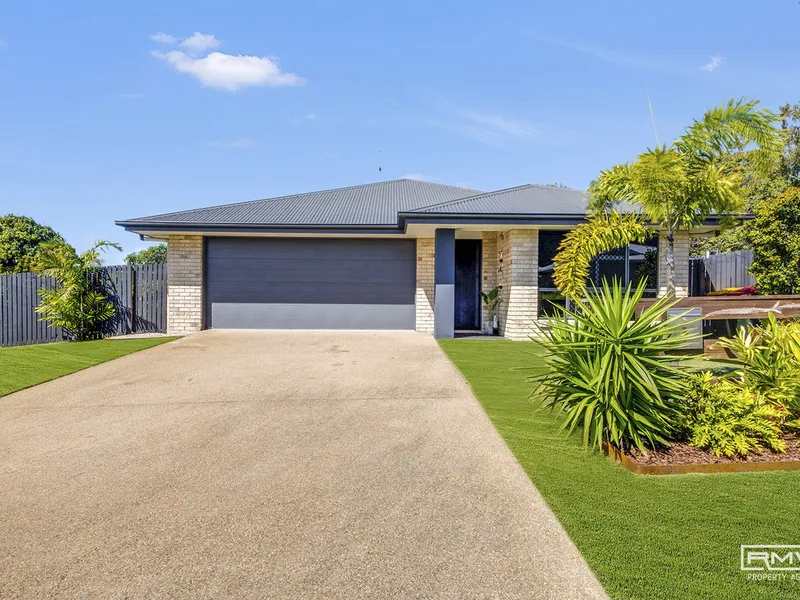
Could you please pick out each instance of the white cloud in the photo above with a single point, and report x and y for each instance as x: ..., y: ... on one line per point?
x: 716, y: 61
x: 489, y: 128
x: 200, y: 42
x: 229, y: 72
x: 421, y: 177
x: 240, y: 143
x: 163, y: 38
x: 607, y: 55
x: 310, y: 116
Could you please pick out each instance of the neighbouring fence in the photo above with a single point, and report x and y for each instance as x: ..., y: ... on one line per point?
x: 138, y: 292
x: 720, y: 271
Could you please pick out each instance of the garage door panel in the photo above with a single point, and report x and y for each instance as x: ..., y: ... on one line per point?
x: 294, y: 248
x: 310, y: 283
x: 312, y: 316
x: 327, y: 270
x: 314, y: 293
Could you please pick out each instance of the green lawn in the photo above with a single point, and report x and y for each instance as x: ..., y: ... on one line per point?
x: 658, y: 537
x: 24, y: 366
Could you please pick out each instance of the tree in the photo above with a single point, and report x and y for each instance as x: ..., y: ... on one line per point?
x: 77, y: 304
x: 679, y: 185
x: 20, y: 240
x: 775, y: 239
x: 152, y: 255
x: 757, y: 187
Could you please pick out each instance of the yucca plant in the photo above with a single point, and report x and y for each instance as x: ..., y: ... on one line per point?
x: 611, y: 374
x: 76, y: 305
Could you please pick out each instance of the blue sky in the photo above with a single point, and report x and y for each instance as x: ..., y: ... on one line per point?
x: 102, y: 118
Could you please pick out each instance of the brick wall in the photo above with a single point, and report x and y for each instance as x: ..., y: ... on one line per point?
x: 681, y: 265
x: 185, y: 278
x: 503, y: 276
x: 521, y: 292
x: 425, y: 284
x: 488, y: 270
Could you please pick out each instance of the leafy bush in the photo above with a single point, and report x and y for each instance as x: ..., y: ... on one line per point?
x: 769, y: 356
x: 729, y: 419
x: 76, y: 304
x: 20, y: 240
x: 611, y: 375
x: 776, y: 245
x: 152, y: 255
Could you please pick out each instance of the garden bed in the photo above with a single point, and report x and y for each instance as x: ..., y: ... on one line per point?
x: 682, y: 458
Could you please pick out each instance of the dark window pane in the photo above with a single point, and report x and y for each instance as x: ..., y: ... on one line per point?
x: 608, y: 266
x: 547, y: 302
x: 548, y: 248
x: 643, y: 263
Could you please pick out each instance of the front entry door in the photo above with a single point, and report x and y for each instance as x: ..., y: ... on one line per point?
x: 468, y: 284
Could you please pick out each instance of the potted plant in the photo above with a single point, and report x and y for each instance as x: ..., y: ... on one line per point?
x: 491, y: 299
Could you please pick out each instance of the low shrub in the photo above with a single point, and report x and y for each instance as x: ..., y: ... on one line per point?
x: 730, y: 420
x: 613, y: 376
x: 769, y: 359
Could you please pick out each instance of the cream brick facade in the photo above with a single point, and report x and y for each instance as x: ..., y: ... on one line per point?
x: 519, y: 251
x: 488, y: 270
x: 682, y: 242
x: 185, y: 279
x: 509, y: 259
x: 423, y: 299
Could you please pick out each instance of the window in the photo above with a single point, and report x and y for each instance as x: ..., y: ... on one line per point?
x: 549, y: 296
x: 631, y: 265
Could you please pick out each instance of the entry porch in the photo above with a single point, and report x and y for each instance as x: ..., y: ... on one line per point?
x: 455, y: 265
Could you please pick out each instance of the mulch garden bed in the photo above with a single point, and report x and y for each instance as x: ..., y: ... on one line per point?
x: 683, y: 458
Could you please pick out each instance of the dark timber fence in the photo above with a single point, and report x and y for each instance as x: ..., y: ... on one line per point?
x: 138, y: 292
x: 720, y: 271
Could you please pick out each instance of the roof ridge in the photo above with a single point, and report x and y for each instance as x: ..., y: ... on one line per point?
x: 447, y: 185
x: 552, y: 186
x: 468, y: 198
x: 334, y: 189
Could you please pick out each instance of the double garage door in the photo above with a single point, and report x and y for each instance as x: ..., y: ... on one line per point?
x: 309, y: 283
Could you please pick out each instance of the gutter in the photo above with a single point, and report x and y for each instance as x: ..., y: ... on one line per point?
x: 404, y: 220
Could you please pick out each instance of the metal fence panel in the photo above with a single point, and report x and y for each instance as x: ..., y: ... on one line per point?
x: 150, y: 300
x: 720, y: 271
x: 138, y: 292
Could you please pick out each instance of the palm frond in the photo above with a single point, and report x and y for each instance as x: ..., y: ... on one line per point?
x: 603, y: 232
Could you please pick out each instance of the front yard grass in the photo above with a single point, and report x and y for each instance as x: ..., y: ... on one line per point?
x: 24, y: 366
x: 646, y: 537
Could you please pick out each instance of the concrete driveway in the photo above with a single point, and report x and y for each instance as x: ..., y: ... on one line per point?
x: 273, y: 465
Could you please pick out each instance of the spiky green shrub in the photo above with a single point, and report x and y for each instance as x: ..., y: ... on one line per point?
x: 730, y: 420
x: 611, y: 375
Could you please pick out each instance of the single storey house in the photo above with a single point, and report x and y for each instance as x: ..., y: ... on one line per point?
x: 401, y: 254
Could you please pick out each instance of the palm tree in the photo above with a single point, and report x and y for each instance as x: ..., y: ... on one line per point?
x: 76, y: 304
x: 679, y: 186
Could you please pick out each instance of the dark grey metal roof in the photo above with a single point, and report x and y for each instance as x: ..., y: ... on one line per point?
x: 361, y: 205
x: 522, y: 200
